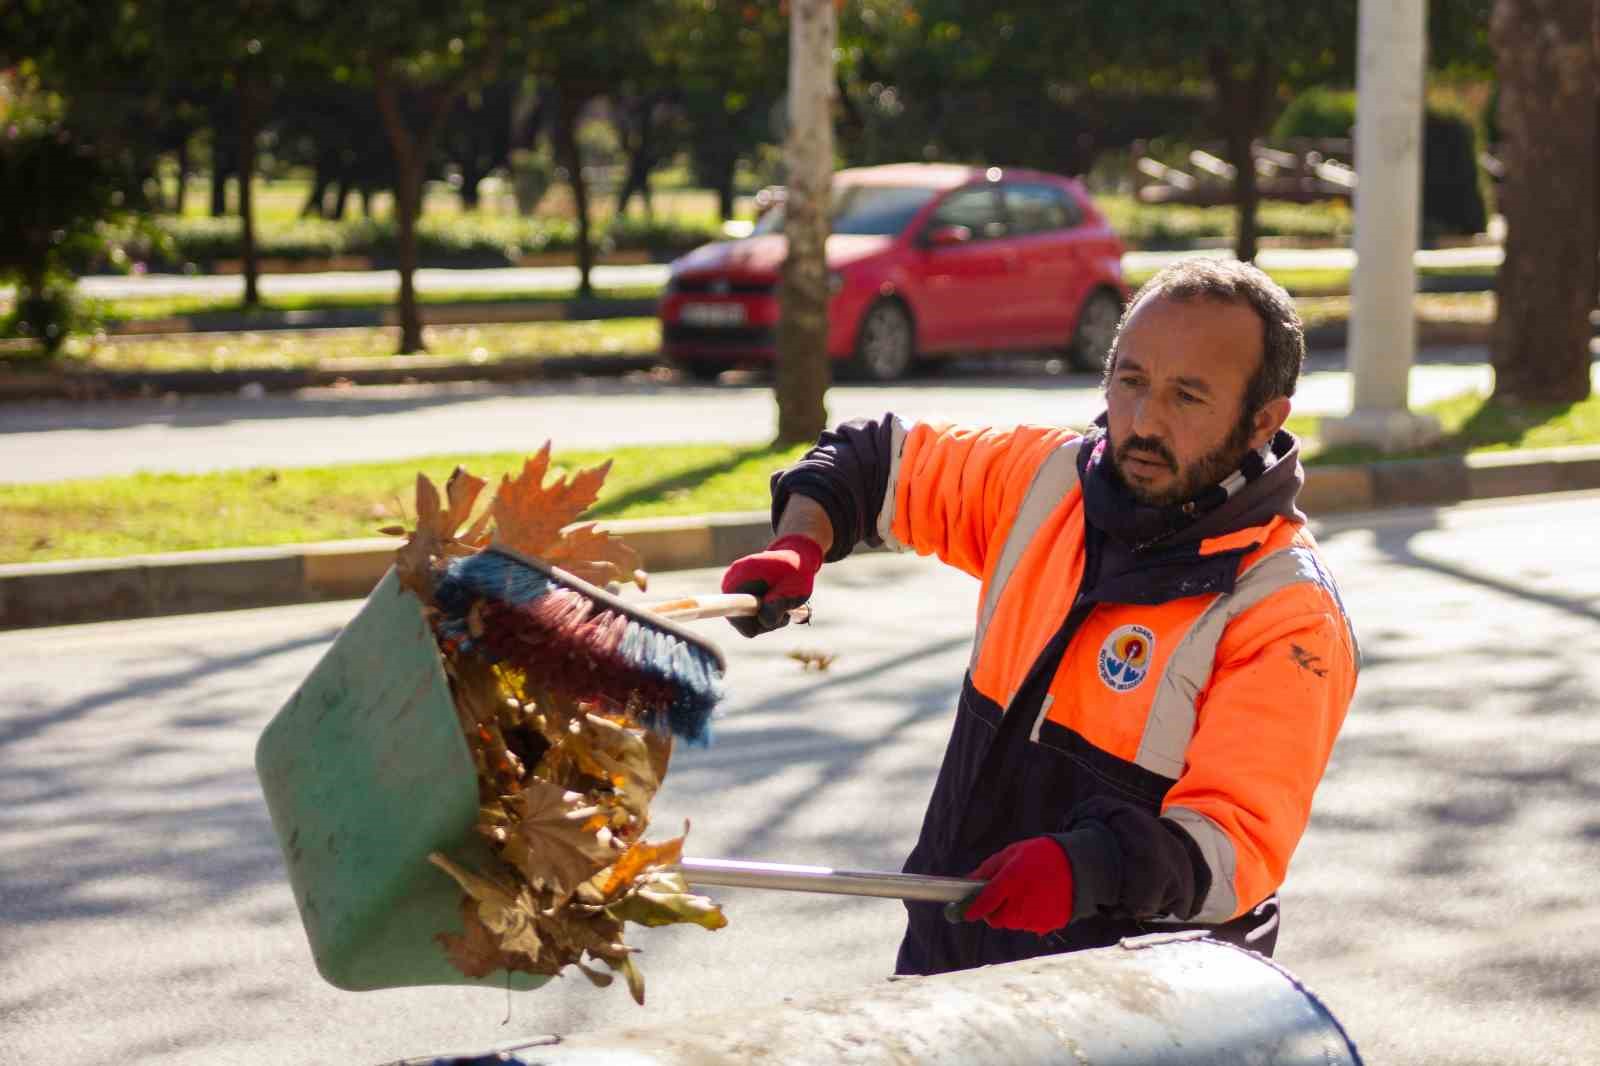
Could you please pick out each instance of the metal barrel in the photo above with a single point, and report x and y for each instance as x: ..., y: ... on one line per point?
x: 1161, y: 1000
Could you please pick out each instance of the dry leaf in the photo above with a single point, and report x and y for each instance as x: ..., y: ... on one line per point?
x: 549, y: 841
x: 476, y: 952
x: 529, y: 515
x: 511, y: 913
x: 596, y: 557
x: 634, y: 862
x: 813, y: 660
x: 662, y: 897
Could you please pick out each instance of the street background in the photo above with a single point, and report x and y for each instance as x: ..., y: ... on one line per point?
x: 1441, y: 902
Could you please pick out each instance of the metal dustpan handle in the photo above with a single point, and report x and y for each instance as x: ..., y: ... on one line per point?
x: 736, y: 873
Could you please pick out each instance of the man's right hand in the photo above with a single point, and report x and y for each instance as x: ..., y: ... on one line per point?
x: 780, y: 577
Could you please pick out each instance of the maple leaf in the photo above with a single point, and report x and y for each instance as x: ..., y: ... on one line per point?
x: 529, y: 515
x: 622, y: 759
x: 435, y: 535
x: 597, y: 557
x: 551, y: 840
x: 662, y: 897
x: 510, y: 913
x: 476, y: 952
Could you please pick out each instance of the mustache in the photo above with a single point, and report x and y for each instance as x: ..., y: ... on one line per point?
x: 1149, y: 447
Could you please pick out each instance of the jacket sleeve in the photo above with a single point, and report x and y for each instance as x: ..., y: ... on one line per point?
x: 927, y: 487
x: 1265, y: 730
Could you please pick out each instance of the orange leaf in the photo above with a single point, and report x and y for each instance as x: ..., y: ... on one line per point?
x: 462, y: 490
x: 635, y: 861
x: 596, y: 557
x: 529, y: 515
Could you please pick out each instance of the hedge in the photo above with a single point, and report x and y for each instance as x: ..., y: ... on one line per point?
x: 177, y: 244
x: 1453, y: 184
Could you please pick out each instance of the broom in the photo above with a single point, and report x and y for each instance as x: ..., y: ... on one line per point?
x: 511, y: 608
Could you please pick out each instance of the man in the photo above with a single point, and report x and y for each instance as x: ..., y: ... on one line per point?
x: 1161, y: 663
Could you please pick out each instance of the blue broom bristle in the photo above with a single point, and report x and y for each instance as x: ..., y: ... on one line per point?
x: 681, y: 679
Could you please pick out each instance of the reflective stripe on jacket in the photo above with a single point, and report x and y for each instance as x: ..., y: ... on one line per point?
x: 1168, y: 727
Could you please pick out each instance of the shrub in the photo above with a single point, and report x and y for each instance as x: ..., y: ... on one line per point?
x: 56, y: 193
x: 1452, y: 181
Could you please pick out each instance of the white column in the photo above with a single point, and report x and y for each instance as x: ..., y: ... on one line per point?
x: 1390, y: 80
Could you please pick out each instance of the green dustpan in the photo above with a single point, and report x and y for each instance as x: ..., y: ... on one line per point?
x: 365, y: 773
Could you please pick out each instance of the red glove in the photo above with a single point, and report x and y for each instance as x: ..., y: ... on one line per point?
x: 1030, y: 887
x: 780, y: 577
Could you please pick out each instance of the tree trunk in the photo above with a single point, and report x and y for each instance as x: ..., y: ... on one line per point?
x: 341, y: 199
x: 1545, y: 57
x: 250, y: 110
x: 802, y: 382
x: 1243, y: 106
x: 316, y: 203
x: 567, y: 146
x: 409, y: 161
x: 219, y: 185
x: 183, y: 177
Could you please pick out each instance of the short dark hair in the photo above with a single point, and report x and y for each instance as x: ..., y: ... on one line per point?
x: 1229, y: 281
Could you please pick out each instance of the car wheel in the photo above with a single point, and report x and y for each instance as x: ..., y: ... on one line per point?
x: 1096, y: 329
x: 886, y: 344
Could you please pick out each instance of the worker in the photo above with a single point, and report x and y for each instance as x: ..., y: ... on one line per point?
x: 1162, y: 660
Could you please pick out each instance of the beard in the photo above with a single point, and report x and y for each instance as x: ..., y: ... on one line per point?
x: 1190, y: 480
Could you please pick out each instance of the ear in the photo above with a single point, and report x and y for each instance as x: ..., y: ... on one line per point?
x: 1268, y: 420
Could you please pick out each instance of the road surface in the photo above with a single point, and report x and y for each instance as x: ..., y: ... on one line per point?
x: 54, y: 441
x: 1442, y: 902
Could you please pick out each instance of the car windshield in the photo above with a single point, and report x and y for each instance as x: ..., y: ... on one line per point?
x: 874, y: 210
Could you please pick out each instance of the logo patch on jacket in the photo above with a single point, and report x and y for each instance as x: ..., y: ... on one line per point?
x: 1125, y: 657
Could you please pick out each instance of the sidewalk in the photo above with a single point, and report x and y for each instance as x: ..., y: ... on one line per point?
x: 98, y: 590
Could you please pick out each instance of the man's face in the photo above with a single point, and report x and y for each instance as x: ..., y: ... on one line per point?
x: 1175, y: 396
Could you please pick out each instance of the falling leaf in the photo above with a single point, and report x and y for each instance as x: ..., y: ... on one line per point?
x: 813, y: 660
x: 529, y: 515
x: 548, y: 839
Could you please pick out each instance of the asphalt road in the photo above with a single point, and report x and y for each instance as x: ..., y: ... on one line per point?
x: 1442, y: 903
x: 530, y: 279
x: 53, y: 441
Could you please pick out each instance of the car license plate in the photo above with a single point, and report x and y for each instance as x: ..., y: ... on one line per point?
x: 720, y: 314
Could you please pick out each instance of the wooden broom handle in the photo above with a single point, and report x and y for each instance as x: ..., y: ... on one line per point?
x: 721, y: 605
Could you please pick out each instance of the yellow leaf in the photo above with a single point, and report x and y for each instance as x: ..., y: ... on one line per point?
x: 663, y: 898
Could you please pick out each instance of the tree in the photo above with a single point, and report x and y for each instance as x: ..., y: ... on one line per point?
x: 808, y: 152
x: 57, y: 190
x: 420, y: 59
x: 1545, y: 52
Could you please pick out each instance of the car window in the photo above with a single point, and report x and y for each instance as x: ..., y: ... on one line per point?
x: 976, y: 208
x: 1039, y: 208
x: 873, y: 210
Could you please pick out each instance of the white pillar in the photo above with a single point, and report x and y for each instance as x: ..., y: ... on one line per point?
x: 1390, y: 80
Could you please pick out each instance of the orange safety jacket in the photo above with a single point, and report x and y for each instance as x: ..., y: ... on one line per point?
x: 1163, y: 710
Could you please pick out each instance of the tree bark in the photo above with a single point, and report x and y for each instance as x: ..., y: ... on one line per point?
x: 251, y: 107
x: 1243, y: 105
x: 183, y: 177
x: 408, y: 164
x: 567, y: 113
x: 1545, y: 56
x: 802, y: 380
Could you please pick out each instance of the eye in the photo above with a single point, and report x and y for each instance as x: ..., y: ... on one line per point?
x: 1189, y: 397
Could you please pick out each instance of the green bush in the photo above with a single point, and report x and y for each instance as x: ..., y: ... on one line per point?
x: 1177, y: 225
x: 1452, y: 181
x: 56, y: 193
x: 463, y: 241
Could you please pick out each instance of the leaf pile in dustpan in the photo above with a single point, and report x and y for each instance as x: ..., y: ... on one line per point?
x: 564, y: 782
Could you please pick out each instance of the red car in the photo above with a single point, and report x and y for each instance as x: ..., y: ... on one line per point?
x: 925, y: 260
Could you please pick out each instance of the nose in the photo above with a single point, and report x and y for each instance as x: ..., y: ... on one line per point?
x: 1148, y: 418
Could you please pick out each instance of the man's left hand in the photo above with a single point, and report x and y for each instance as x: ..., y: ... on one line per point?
x: 1030, y: 887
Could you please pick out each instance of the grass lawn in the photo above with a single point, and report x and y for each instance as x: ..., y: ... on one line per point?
x: 143, y: 308
x: 152, y: 513
x: 101, y: 517
x: 293, y: 349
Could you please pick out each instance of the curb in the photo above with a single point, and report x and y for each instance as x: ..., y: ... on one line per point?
x: 104, y: 590
x: 468, y: 313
